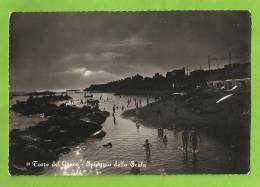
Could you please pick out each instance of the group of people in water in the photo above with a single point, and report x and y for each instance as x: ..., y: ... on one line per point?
x: 191, y: 136
x: 137, y: 104
x: 187, y: 136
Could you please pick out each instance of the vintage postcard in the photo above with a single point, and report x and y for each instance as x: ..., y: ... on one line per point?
x: 130, y: 93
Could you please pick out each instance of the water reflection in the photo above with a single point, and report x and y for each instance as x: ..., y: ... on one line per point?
x: 195, y: 163
x: 128, y: 140
x: 114, y: 119
x: 185, y: 161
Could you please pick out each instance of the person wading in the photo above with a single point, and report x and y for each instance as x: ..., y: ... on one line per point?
x: 194, y: 138
x: 147, y: 146
x: 185, y: 137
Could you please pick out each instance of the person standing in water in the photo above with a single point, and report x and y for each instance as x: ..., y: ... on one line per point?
x: 194, y: 138
x: 114, y: 119
x: 185, y: 137
x: 114, y: 108
x: 165, y: 139
x: 147, y: 146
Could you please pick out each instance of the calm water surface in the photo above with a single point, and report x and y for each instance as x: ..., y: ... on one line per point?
x: 128, y: 140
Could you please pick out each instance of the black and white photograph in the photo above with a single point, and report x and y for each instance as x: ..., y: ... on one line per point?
x: 129, y: 93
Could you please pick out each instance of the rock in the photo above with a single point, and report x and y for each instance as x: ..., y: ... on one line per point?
x: 46, y: 141
x: 39, y: 105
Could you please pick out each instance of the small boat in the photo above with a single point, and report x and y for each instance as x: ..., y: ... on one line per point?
x: 85, y: 95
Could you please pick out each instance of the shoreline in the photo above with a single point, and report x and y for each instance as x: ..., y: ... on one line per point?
x: 143, y: 93
x: 227, y: 120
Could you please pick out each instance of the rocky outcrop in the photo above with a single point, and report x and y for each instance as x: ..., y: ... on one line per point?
x: 44, y: 142
x: 37, y: 105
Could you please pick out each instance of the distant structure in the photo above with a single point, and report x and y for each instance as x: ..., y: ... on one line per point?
x: 176, y: 75
x: 177, y: 78
x: 242, y: 84
x: 232, y: 74
x: 226, y: 78
x: 198, y: 75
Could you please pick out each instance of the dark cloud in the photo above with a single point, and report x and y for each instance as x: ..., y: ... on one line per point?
x: 71, y: 50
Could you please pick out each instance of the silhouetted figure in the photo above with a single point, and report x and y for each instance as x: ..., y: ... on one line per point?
x: 137, y: 125
x: 194, y: 138
x: 185, y: 137
x: 81, y: 101
x: 123, y: 108
x: 160, y: 132
x: 165, y: 139
x: 147, y: 146
x: 147, y: 101
x: 135, y: 170
x: 114, y: 108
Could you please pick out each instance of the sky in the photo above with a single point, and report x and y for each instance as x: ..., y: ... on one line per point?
x: 75, y: 50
